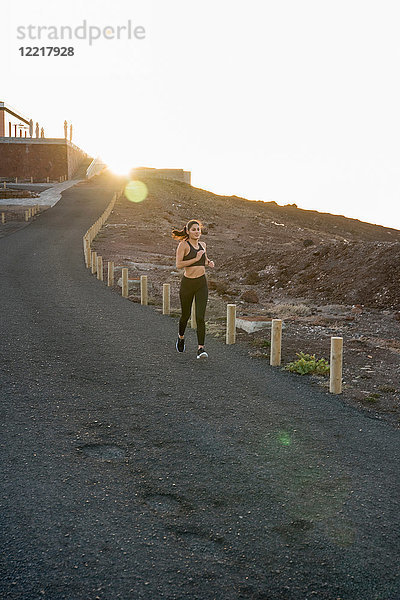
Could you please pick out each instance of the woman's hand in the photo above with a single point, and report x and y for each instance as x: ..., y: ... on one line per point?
x: 200, y: 254
x: 211, y: 264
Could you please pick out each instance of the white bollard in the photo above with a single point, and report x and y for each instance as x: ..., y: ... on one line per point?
x: 88, y: 254
x: 110, y: 274
x: 143, y: 290
x: 166, y: 299
x: 231, y: 323
x: 94, y: 262
x: 276, y: 343
x: 125, y: 289
x: 336, y: 365
x: 100, y: 268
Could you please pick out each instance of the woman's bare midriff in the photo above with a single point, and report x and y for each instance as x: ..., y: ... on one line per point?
x: 193, y: 272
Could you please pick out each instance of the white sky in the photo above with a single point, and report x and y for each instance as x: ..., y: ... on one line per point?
x: 285, y: 100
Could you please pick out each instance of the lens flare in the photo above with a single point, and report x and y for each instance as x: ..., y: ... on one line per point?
x: 136, y: 191
x: 284, y: 438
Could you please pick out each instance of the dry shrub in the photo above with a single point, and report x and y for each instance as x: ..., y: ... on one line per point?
x: 283, y: 311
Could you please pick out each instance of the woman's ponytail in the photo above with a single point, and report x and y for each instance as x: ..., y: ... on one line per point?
x: 180, y: 234
x: 183, y: 234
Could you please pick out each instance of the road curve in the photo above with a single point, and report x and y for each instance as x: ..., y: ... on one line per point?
x: 130, y: 471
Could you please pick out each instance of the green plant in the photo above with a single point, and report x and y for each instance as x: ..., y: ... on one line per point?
x: 308, y: 363
x: 372, y: 398
x: 260, y: 343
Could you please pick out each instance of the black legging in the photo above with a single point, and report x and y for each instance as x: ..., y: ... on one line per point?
x: 194, y: 288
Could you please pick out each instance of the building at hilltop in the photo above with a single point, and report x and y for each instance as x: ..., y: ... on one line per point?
x: 25, y: 152
x: 175, y: 174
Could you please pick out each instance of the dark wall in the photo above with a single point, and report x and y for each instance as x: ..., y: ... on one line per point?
x: 39, y: 160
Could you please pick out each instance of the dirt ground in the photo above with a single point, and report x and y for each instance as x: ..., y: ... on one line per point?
x: 17, y: 194
x: 324, y: 275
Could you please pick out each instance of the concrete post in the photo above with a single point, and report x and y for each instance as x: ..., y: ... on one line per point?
x: 88, y: 254
x: 166, y: 299
x: 100, y: 268
x: 31, y: 179
x: 276, y: 342
x: 193, y: 322
x: 26, y: 215
x: 231, y: 323
x: 110, y: 274
x: 336, y: 365
x: 94, y: 262
x: 48, y: 179
x: 5, y: 185
x: 125, y: 289
x: 143, y: 290
x: 16, y: 180
x: 3, y: 217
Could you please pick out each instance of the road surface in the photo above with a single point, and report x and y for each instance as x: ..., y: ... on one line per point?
x: 131, y: 471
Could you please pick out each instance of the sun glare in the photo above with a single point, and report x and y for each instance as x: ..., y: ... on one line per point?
x: 120, y: 161
x: 119, y: 171
x: 119, y: 168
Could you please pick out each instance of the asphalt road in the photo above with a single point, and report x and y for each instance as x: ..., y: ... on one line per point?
x: 130, y: 471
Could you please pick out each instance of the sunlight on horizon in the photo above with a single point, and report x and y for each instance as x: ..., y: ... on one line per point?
x: 228, y: 184
x: 119, y: 159
x: 271, y: 108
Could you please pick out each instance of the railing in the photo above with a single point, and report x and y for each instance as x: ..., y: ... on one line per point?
x: 95, y: 167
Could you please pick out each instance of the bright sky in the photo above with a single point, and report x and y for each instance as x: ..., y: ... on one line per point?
x: 286, y: 100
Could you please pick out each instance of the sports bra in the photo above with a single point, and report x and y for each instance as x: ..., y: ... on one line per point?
x: 193, y: 253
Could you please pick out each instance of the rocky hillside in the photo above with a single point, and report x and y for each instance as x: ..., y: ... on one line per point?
x: 270, y: 251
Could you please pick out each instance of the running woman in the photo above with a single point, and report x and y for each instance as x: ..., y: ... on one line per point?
x: 192, y: 257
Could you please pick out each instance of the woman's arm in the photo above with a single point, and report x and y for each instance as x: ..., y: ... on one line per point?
x: 180, y: 253
x: 209, y: 263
